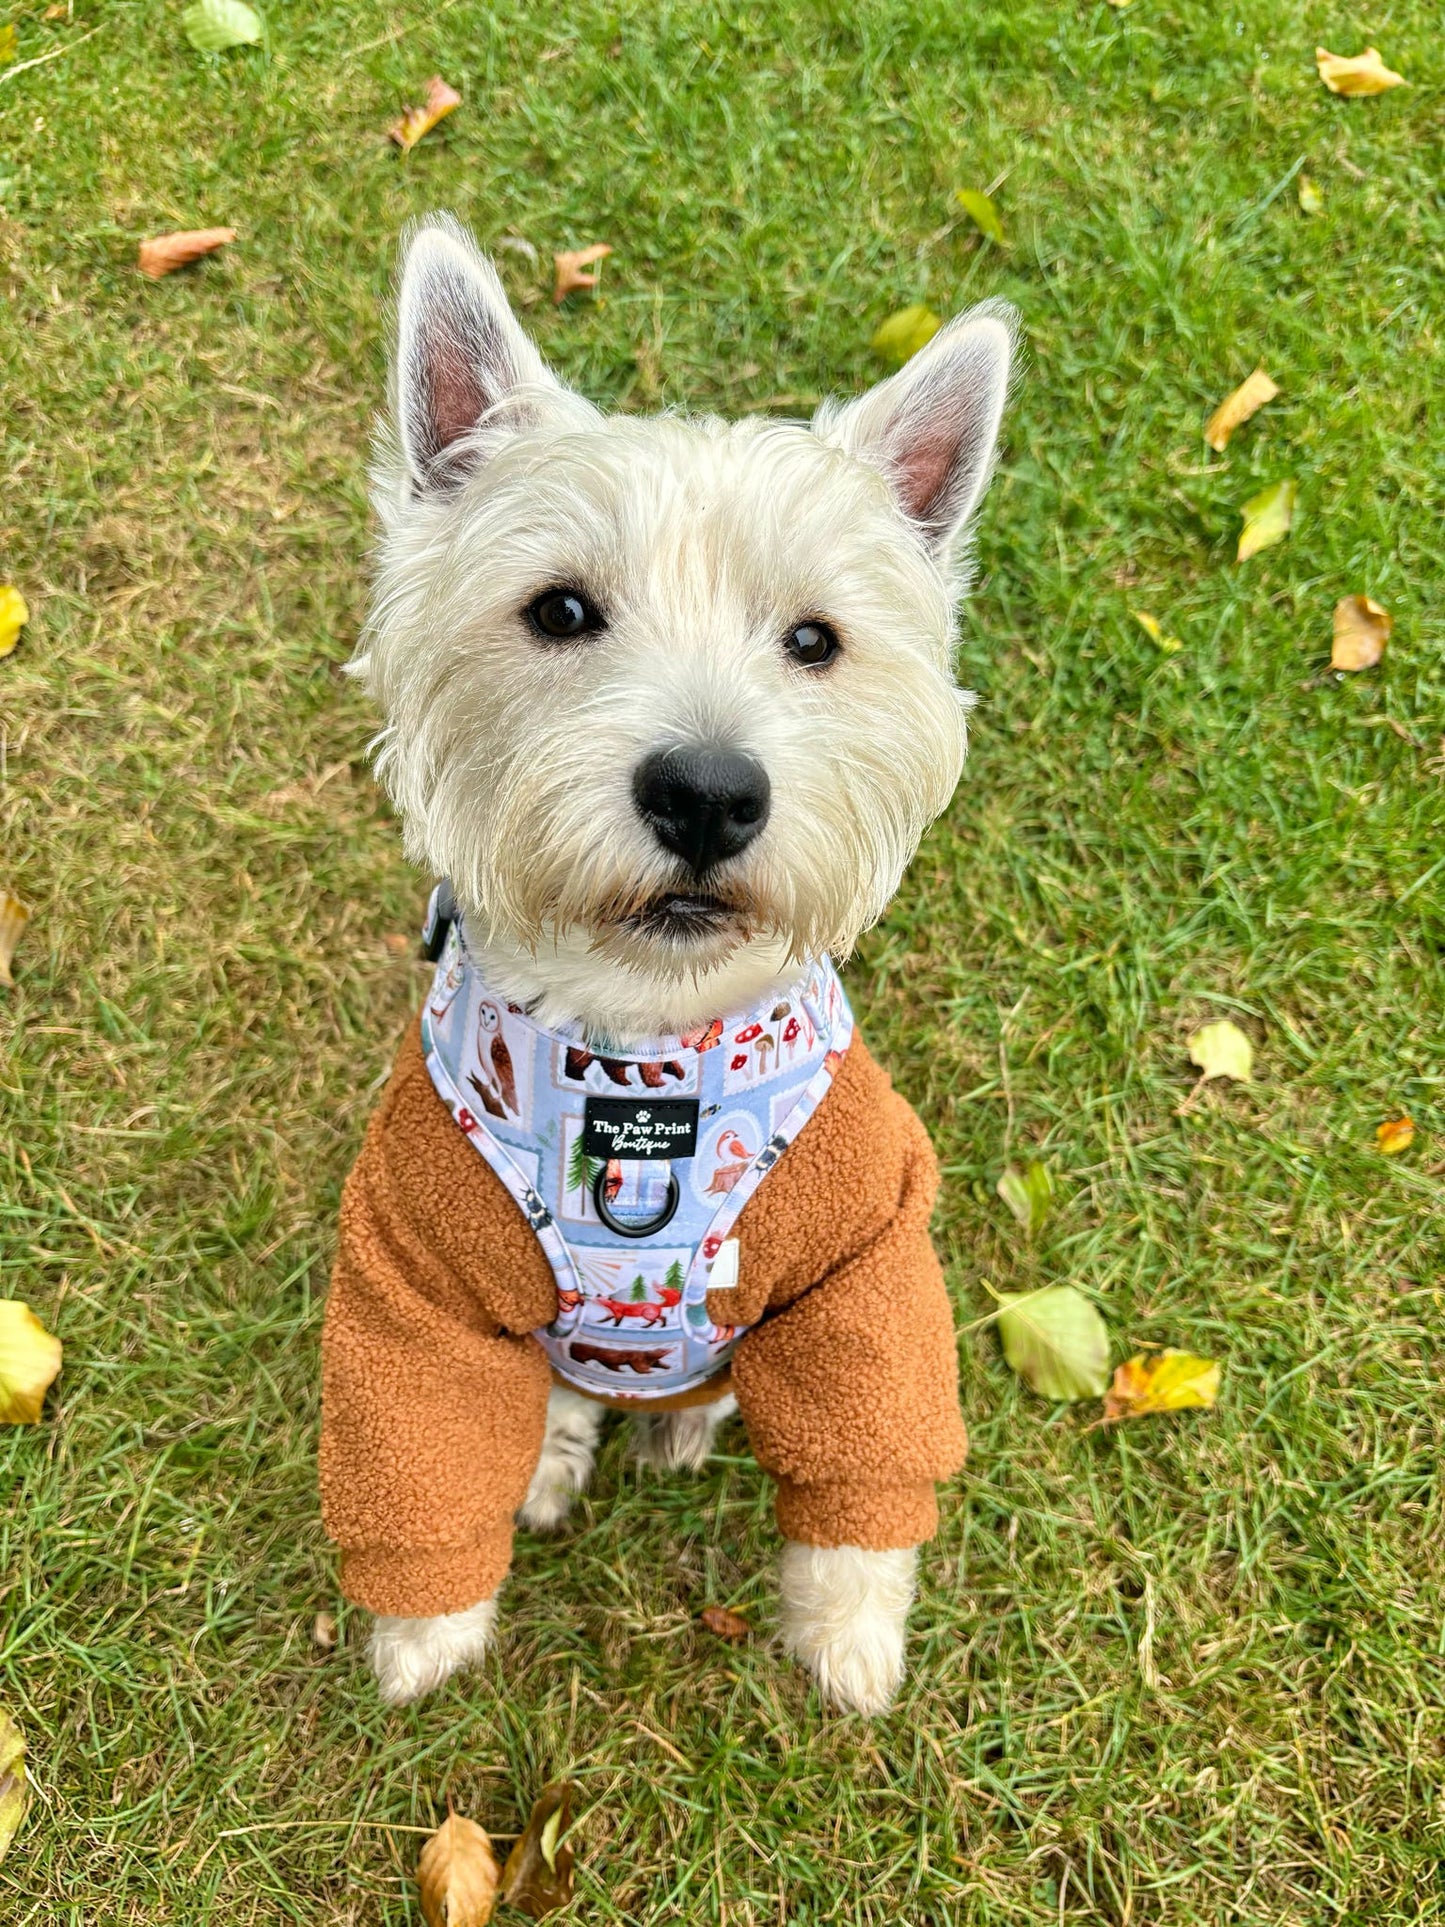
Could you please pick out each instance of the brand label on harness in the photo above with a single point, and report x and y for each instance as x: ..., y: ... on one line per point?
x: 621, y: 1127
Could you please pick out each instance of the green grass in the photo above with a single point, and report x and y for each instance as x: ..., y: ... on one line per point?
x: 1191, y: 1671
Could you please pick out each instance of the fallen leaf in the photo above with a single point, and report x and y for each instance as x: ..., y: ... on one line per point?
x: 12, y: 1781
x: 981, y: 211
x: 1268, y: 517
x: 570, y: 265
x: 323, y: 1632
x: 29, y: 1360
x: 1168, y: 1382
x: 724, y: 1623
x: 904, y: 333
x: 1310, y: 198
x: 1056, y: 1341
x: 212, y: 26
x: 416, y: 121
x: 538, y: 1874
x: 1356, y: 74
x: 398, y: 943
x: 14, y: 614
x: 1028, y: 1194
x: 7, y: 44
x: 164, y: 253
x: 13, y: 919
x: 1362, y: 628
x: 1222, y: 1050
x: 1151, y: 625
x: 1250, y: 396
x: 458, y: 1875
x: 1395, y: 1135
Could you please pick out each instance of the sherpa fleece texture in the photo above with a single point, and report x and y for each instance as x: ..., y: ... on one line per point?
x: 434, y: 1394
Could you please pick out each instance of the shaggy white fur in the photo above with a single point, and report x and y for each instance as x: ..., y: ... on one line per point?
x: 700, y: 547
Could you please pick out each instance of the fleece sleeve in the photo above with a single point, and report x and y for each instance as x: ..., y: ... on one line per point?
x: 434, y: 1398
x: 849, y: 1389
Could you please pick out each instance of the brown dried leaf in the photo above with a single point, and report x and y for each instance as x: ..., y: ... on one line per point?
x: 570, y: 267
x: 416, y: 121
x: 1362, y: 628
x: 1356, y: 74
x: 538, y: 1874
x: 1395, y: 1135
x: 1167, y: 1383
x: 13, y: 919
x: 458, y: 1875
x: 323, y: 1632
x: 1250, y: 396
x: 724, y: 1623
x: 164, y: 253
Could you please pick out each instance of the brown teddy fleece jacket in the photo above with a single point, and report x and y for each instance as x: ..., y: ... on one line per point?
x: 435, y: 1395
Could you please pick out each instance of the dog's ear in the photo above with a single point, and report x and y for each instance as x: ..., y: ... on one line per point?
x: 931, y: 428
x: 462, y: 360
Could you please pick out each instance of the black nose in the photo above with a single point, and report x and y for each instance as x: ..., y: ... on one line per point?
x: 703, y: 804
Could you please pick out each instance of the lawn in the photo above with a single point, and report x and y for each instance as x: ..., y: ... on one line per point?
x: 1189, y: 1670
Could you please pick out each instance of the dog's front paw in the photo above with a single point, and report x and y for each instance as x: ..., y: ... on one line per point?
x: 845, y: 1616
x: 413, y: 1656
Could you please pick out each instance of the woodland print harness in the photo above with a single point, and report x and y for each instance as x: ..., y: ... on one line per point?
x: 632, y: 1167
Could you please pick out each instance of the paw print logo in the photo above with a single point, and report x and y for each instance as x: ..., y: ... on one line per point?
x: 644, y: 1117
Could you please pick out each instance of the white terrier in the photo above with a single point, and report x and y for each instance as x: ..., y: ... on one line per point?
x: 670, y: 702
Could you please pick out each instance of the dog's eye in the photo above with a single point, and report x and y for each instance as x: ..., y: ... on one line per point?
x: 561, y: 614
x: 813, y: 644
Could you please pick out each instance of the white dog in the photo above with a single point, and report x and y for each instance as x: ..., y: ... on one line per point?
x: 670, y: 702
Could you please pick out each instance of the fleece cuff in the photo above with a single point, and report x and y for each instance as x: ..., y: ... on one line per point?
x: 417, y: 1582
x: 879, y: 1518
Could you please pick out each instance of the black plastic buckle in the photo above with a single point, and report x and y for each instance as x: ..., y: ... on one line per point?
x: 441, y: 914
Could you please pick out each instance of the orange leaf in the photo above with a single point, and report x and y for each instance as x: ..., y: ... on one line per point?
x: 1355, y: 74
x: 1395, y: 1135
x: 167, y: 252
x: 569, y: 269
x: 416, y: 121
x: 1250, y: 396
x: 724, y: 1623
x: 1362, y: 628
x: 1166, y: 1383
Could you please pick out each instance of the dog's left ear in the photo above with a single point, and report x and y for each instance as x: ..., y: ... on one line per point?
x: 931, y: 428
x: 463, y: 363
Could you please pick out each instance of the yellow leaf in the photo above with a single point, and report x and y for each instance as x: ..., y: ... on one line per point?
x: 904, y: 333
x: 1268, y: 517
x: 1356, y: 74
x: 29, y: 1360
x: 416, y: 121
x: 1362, y: 628
x: 1250, y: 396
x: 981, y: 211
x: 1395, y: 1135
x: 7, y: 44
x: 14, y: 614
x: 12, y: 1781
x: 570, y: 267
x: 1151, y: 625
x: 1222, y: 1050
x: 1310, y: 199
x: 13, y: 919
x: 1168, y: 1382
x: 166, y: 252
x: 458, y: 1876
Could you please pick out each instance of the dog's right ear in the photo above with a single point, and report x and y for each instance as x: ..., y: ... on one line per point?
x: 461, y: 358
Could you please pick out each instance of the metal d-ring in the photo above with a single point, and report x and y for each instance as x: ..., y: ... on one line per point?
x: 665, y: 1216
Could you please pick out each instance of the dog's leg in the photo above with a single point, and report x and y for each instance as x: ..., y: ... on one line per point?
x: 413, y: 1656
x: 680, y: 1441
x: 845, y: 1616
x: 573, y: 1423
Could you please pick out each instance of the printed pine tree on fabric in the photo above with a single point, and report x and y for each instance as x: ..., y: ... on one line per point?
x: 638, y: 1293
x: 581, y: 1170
x: 674, y: 1280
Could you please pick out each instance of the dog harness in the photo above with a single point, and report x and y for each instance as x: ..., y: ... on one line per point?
x: 631, y: 1167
